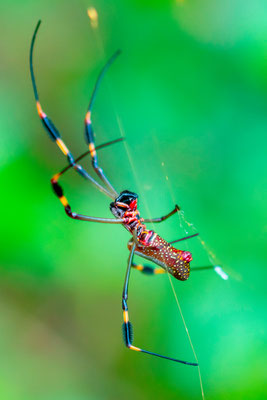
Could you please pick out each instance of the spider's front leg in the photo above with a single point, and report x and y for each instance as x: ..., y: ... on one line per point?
x: 89, y: 133
x: 54, y: 133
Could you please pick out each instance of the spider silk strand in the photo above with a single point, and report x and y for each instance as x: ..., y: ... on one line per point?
x: 126, y: 146
x: 170, y: 279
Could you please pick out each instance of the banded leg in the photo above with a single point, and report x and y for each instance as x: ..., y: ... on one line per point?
x: 160, y: 219
x: 100, y: 146
x: 54, y: 181
x: 148, y: 270
x: 52, y: 130
x: 89, y: 133
x: 127, y: 327
x: 59, y: 192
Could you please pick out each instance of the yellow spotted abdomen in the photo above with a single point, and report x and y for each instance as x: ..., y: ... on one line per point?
x: 171, y: 259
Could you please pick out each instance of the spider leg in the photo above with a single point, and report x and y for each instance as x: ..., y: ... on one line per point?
x: 135, y: 239
x: 60, y: 194
x: 52, y: 130
x: 202, y: 268
x: 160, y: 219
x: 184, y: 238
x: 89, y: 133
x: 54, y: 181
x: 82, y: 217
x: 148, y: 270
x: 217, y: 268
x: 100, y: 146
x: 127, y: 327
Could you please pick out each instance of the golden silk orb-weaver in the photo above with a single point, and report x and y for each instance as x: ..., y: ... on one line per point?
x: 144, y: 242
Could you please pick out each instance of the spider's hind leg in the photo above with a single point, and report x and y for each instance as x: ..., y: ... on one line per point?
x: 148, y: 270
x: 127, y: 326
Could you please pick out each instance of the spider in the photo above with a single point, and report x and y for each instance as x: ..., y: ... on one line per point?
x: 144, y: 242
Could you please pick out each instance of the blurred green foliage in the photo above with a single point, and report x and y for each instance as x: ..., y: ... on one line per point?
x: 189, y: 92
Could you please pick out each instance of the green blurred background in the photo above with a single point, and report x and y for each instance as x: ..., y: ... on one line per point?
x: 189, y: 93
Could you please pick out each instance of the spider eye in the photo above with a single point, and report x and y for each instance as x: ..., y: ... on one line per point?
x: 121, y: 206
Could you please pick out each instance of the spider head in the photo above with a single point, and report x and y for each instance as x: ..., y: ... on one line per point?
x: 128, y: 198
x: 124, y: 202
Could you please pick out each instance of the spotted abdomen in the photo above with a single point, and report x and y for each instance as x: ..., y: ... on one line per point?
x: 176, y: 262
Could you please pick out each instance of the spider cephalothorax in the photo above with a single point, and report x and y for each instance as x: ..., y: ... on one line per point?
x: 125, y: 202
x: 128, y: 198
x: 125, y: 207
x: 148, y: 243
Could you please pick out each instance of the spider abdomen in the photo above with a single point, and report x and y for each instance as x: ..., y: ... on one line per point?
x: 176, y: 262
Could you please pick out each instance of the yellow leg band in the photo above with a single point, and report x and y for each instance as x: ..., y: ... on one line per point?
x: 64, y: 201
x: 159, y: 271
x: 55, y: 177
x: 39, y: 110
x: 134, y: 348
x: 62, y: 146
x: 92, y: 149
x: 88, y: 117
x: 125, y: 317
x: 139, y: 267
